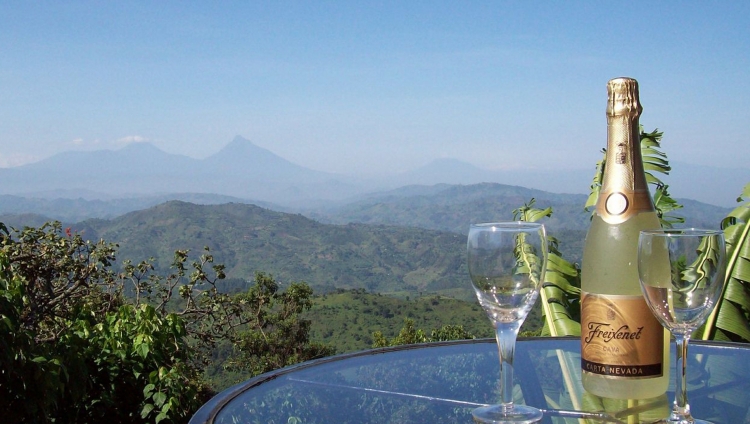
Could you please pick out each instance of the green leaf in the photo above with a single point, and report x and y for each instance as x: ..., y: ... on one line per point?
x: 731, y: 318
x: 147, y: 408
x: 148, y: 390
x: 161, y: 417
x: 159, y: 398
x: 561, y: 288
x: 142, y: 350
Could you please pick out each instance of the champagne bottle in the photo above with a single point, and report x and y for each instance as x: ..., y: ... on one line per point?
x: 624, y: 349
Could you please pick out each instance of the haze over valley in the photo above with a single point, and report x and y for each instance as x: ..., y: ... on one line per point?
x: 256, y: 211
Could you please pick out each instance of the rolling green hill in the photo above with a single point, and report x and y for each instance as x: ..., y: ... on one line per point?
x: 247, y: 238
x: 453, y: 207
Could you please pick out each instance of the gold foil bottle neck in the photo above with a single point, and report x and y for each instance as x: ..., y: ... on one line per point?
x: 623, y: 98
x: 624, y: 191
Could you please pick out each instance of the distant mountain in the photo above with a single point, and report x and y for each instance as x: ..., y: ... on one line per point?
x: 453, y: 171
x: 241, y: 156
x: 241, y: 169
x: 137, y: 168
x: 448, y: 207
x: 711, y: 185
x: 446, y: 171
x: 20, y: 220
x: 246, y: 171
x: 71, y: 210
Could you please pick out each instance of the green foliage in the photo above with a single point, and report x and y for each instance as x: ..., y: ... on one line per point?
x: 560, y: 292
x: 347, y: 319
x: 275, y: 335
x: 47, y: 283
x: 731, y: 318
x: 28, y: 373
x: 73, y: 348
x: 136, y: 348
x: 409, y: 334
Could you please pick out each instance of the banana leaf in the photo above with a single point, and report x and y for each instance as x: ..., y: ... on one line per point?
x: 560, y: 293
x: 560, y: 296
x: 596, y: 183
x: 730, y: 320
x: 664, y: 204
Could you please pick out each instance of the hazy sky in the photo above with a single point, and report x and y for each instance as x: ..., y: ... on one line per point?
x: 357, y: 86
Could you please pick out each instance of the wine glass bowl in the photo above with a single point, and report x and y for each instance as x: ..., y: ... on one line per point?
x: 507, y: 262
x: 681, y: 273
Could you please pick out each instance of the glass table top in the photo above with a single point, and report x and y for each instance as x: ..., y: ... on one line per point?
x: 443, y: 382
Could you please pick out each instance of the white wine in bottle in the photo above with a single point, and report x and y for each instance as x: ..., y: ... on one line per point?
x: 624, y: 349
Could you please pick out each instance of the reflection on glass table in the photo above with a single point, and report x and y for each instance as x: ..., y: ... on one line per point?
x: 444, y: 382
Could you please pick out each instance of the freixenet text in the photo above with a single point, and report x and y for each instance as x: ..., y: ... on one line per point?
x: 600, y: 330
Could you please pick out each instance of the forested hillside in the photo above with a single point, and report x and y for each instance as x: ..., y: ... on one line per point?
x: 454, y: 207
x: 247, y: 239
x: 346, y: 320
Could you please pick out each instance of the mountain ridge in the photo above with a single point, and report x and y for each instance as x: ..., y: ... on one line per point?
x: 244, y: 170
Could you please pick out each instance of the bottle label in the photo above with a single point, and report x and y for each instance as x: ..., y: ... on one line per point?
x: 620, y: 337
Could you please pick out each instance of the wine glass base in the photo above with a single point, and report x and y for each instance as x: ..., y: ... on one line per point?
x: 498, y: 414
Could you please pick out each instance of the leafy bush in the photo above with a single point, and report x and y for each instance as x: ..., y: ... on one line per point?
x: 75, y: 348
x: 276, y: 336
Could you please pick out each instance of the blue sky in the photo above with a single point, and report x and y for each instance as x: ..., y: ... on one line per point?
x: 369, y: 87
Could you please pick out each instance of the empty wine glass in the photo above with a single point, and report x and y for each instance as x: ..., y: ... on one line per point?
x: 682, y: 278
x: 507, y: 261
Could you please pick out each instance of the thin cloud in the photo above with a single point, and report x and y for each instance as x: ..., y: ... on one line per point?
x: 132, y: 139
x: 82, y: 143
x: 11, y: 161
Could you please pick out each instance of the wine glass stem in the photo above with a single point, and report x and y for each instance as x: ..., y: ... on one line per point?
x: 506, y: 334
x: 681, y: 408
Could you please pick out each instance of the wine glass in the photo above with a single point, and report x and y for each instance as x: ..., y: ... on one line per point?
x: 507, y: 261
x: 682, y: 278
